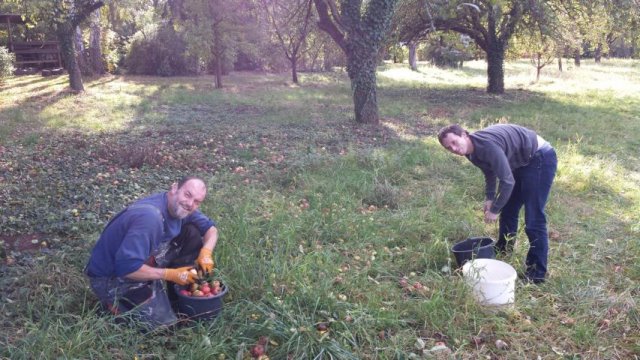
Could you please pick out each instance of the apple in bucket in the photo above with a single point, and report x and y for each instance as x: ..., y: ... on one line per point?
x: 202, y: 299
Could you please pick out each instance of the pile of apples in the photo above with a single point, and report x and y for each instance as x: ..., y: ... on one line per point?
x: 203, y: 287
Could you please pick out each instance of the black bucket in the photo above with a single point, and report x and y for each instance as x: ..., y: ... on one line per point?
x: 200, y: 308
x: 473, y: 248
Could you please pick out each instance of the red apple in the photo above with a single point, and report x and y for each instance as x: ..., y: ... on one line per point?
x: 257, y: 350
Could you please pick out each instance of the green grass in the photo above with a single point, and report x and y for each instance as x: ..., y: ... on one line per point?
x: 320, y: 218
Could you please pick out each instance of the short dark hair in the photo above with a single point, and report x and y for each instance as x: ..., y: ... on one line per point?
x: 451, y: 129
x: 185, y: 179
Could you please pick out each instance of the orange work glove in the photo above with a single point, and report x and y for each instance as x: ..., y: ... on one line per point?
x: 205, y: 261
x: 180, y: 276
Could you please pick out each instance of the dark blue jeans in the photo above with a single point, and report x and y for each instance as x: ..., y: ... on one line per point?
x: 148, y: 301
x: 533, y: 183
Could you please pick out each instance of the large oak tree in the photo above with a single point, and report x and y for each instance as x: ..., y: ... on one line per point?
x: 359, y: 28
x: 490, y: 23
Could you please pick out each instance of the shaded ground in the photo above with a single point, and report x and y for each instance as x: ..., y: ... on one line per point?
x: 26, y: 242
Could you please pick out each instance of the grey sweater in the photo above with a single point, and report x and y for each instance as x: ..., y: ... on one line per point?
x: 498, y: 150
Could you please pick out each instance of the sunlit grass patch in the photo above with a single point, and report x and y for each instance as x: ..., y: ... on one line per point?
x: 97, y: 114
x: 428, y: 75
x: 597, y: 176
x: 25, y: 89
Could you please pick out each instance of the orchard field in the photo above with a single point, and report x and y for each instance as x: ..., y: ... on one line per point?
x: 322, y: 220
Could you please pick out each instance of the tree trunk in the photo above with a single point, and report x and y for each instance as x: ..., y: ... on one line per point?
x: 361, y: 68
x: 360, y: 38
x: 611, y: 40
x: 218, y: 73
x: 560, y: 63
x: 95, y: 48
x: 495, y: 69
x: 538, y: 67
x: 598, y: 53
x: 576, y: 58
x: 327, y: 64
x: 413, y: 61
x: 314, y: 61
x: 65, y: 36
x: 294, y: 68
x: 218, y: 50
x: 80, y: 53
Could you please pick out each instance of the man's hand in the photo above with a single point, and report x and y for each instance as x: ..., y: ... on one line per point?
x: 205, y: 261
x: 490, y: 217
x: 487, y: 205
x: 180, y: 276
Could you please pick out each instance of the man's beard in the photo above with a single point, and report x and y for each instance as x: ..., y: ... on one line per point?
x: 180, y: 212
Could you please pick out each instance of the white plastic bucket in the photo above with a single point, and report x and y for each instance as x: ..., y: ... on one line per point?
x: 492, y: 281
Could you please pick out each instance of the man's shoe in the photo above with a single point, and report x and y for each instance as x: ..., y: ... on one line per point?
x: 531, y: 280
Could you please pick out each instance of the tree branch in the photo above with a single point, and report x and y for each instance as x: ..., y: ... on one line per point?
x: 327, y: 23
x: 454, y: 25
x: 508, y: 25
x: 335, y: 14
x: 84, y: 12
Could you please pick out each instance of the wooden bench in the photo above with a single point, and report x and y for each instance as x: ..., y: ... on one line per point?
x: 38, y: 53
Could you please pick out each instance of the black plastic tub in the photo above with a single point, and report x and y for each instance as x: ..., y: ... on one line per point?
x: 200, y: 308
x: 473, y: 248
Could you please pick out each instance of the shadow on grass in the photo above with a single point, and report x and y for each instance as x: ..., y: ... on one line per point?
x: 473, y: 98
x: 20, y: 81
x: 98, y: 81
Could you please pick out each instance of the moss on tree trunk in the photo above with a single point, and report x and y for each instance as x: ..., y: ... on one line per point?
x: 65, y: 36
x: 495, y: 69
x: 361, y: 68
x: 359, y: 32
